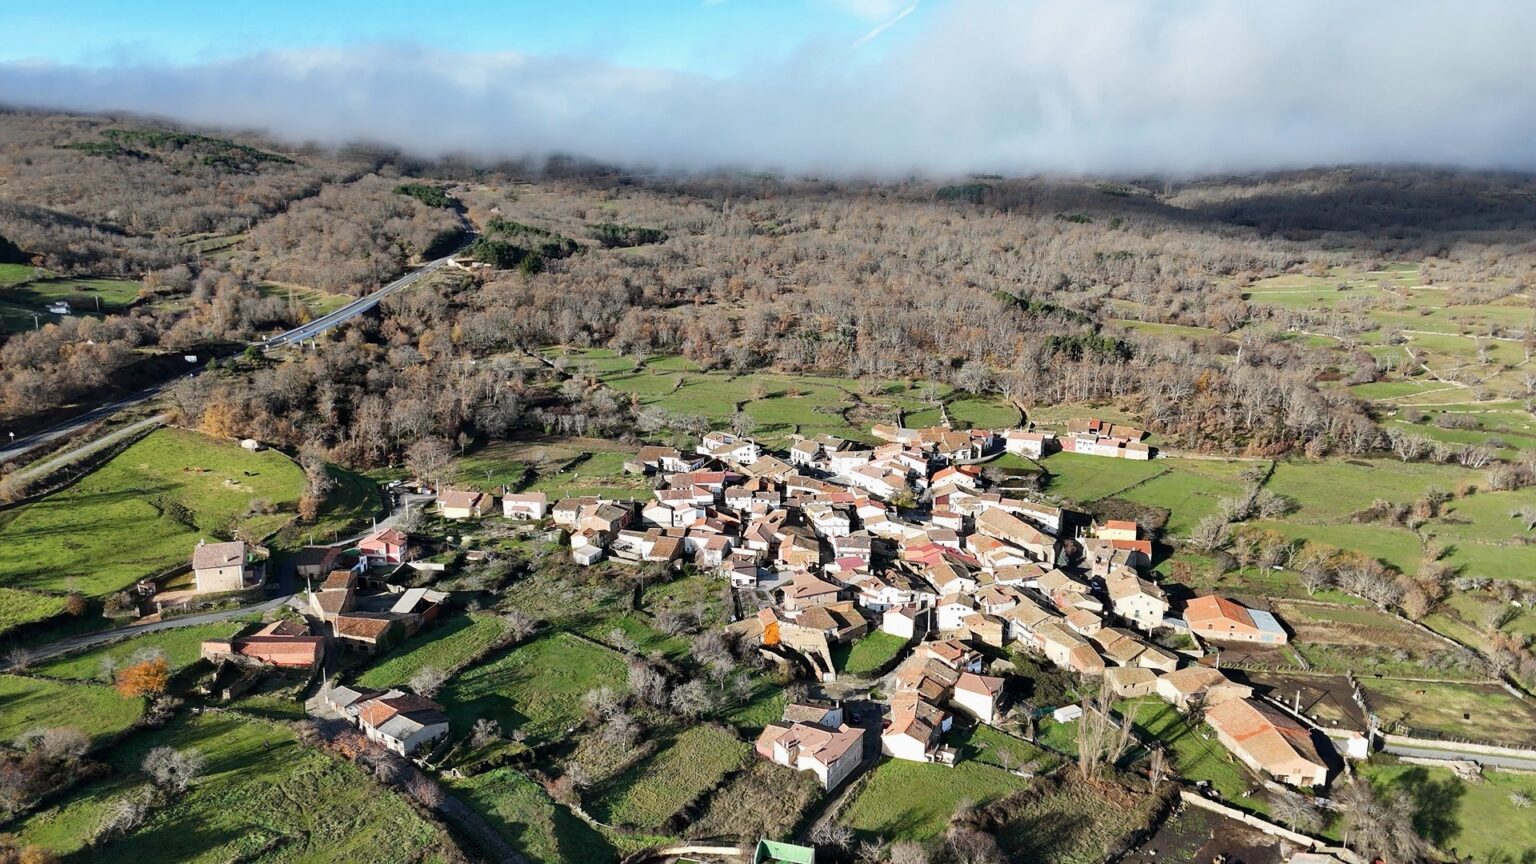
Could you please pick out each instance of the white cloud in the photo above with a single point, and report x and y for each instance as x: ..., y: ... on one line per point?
x: 987, y: 85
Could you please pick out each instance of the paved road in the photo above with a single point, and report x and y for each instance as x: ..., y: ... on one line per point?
x: 355, y: 308
x: 1450, y: 752
x: 346, y: 313
x: 87, y: 640
x: 46, y: 467
x: 80, y: 421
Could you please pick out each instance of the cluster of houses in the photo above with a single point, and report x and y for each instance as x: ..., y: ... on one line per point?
x: 399, y: 721
x: 837, y: 538
x: 367, y: 613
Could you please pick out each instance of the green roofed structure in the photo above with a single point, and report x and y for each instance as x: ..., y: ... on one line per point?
x: 771, y: 851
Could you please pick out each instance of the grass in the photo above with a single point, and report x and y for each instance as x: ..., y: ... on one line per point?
x: 19, y: 607
x: 991, y: 747
x: 536, y: 687
x: 868, y: 654
x: 779, y: 404
x: 445, y: 647
x: 1197, y: 756
x: 33, y: 703
x: 1473, y: 820
x: 1190, y: 491
x: 1334, y: 489
x: 315, y: 302
x: 120, y: 523
x: 81, y: 294
x: 1084, y: 478
x: 1480, y: 712
x: 1071, y: 823
x: 650, y: 793
x: 530, y: 820
x: 766, y: 800
x: 181, y: 647
x: 13, y: 274
x: 904, y: 800
x: 262, y: 796
x: 766, y: 706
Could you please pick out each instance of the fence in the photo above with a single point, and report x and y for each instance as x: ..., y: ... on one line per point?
x: 1268, y: 827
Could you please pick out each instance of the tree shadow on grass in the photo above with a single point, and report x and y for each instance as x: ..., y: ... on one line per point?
x: 1043, y: 836
x: 1436, y: 805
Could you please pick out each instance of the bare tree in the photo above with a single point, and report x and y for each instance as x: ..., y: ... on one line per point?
x: 173, y: 770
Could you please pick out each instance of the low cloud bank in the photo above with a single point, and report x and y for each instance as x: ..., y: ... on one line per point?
x: 1112, y: 86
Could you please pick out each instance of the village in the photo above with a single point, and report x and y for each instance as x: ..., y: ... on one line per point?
x: 824, y: 545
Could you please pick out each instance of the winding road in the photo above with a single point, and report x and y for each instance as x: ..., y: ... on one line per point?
x: 310, y: 330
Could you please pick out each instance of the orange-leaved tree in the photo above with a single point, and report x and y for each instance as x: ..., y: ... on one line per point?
x: 146, y: 678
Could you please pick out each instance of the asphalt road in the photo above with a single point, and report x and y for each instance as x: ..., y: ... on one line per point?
x: 86, y: 640
x: 1450, y: 752
x: 21, y: 446
x: 353, y: 309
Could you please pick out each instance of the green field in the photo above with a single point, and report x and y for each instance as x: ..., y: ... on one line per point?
x: 525, y: 816
x: 1479, y: 712
x: 1190, y: 490
x: 181, y: 647
x: 599, y: 471
x: 781, y: 404
x: 314, y: 302
x: 536, y: 687
x: 1333, y: 490
x: 1477, y: 820
x: 33, y: 703
x: 904, y: 800
x: 262, y: 797
x: 445, y: 647
x: 1081, y: 478
x: 19, y: 607
x: 686, y: 767
x: 143, y: 512
x: 83, y: 295
x: 867, y: 654
x: 989, y: 746
x: 12, y: 274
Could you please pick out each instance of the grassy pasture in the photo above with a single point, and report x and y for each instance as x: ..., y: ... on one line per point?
x: 316, y: 303
x: 1196, y: 752
x: 14, y: 274
x: 692, y: 763
x: 867, y: 654
x: 904, y: 800
x: 181, y: 648
x: 33, y: 703
x: 1479, y: 712
x: 536, y: 687
x: 144, y: 511
x: 1478, y: 820
x: 1190, y: 491
x: 262, y: 797
x: 501, y: 463
x: 525, y: 816
x: 443, y: 647
x: 25, y: 607
x: 1083, y: 478
x: 781, y: 404
x: 114, y: 295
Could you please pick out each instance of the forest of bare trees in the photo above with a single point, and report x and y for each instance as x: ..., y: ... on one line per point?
x: 1022, y: 287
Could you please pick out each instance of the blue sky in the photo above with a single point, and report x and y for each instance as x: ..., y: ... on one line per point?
x: 814, y: 86
x: 717, y: 38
